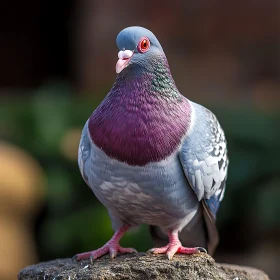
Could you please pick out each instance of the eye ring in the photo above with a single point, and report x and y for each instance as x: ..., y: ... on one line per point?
x: 143, y: 45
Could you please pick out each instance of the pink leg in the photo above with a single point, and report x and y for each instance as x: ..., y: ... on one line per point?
x: 175, y: 246
x: 112, y: 247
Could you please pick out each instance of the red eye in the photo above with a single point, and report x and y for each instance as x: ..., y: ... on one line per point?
x: 144, y: 45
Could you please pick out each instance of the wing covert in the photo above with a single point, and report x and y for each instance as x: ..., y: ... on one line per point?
x: 84, y: 152
x: 203, y: 156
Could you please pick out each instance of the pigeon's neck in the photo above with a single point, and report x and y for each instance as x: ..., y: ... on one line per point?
x: 155, y: 78
x: 143, y: 118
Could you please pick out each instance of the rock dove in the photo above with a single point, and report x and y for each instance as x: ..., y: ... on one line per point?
x: 152, y: 156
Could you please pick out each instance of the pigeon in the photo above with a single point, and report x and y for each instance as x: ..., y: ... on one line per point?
x: 151, y: 156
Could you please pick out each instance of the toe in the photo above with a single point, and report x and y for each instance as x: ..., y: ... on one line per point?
x: 81, y: 256
x: 95, y: 255
x: 161, y: 250
x: 112, y: 250
x: 99, y: 253
x: 172, y: 250
x: 127, y: 250
x: 188, y: 251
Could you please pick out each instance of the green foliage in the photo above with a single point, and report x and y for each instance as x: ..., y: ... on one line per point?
x: 75, y: 221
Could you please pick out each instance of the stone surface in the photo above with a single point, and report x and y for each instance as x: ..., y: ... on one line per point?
x: 140, y: 266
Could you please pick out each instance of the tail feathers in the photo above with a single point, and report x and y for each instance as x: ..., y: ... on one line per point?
x: 212, y: 232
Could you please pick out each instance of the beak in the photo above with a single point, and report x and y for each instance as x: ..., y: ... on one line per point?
x: 124, y: 58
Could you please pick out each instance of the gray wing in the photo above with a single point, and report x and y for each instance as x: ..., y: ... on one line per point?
x: 84, y: 152
x: 204, y: 157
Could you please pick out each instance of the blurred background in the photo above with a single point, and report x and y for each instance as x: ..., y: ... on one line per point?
x: 57, y: 62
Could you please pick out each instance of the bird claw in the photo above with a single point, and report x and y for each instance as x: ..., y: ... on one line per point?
x: 133, y: 250
x: 202, y: 250
x: 113, y: 254
x: 150, y: 251
x: 170, y: 256
x: 91, y: 258
x: 74, y: 258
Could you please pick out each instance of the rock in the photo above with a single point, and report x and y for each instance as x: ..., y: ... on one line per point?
x: 140, y: 266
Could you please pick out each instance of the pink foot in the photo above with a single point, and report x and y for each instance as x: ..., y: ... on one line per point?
x: 174, y: 246
x: 112, y: 247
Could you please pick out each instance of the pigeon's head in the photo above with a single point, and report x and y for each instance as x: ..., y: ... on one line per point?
x: 138, y: 46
